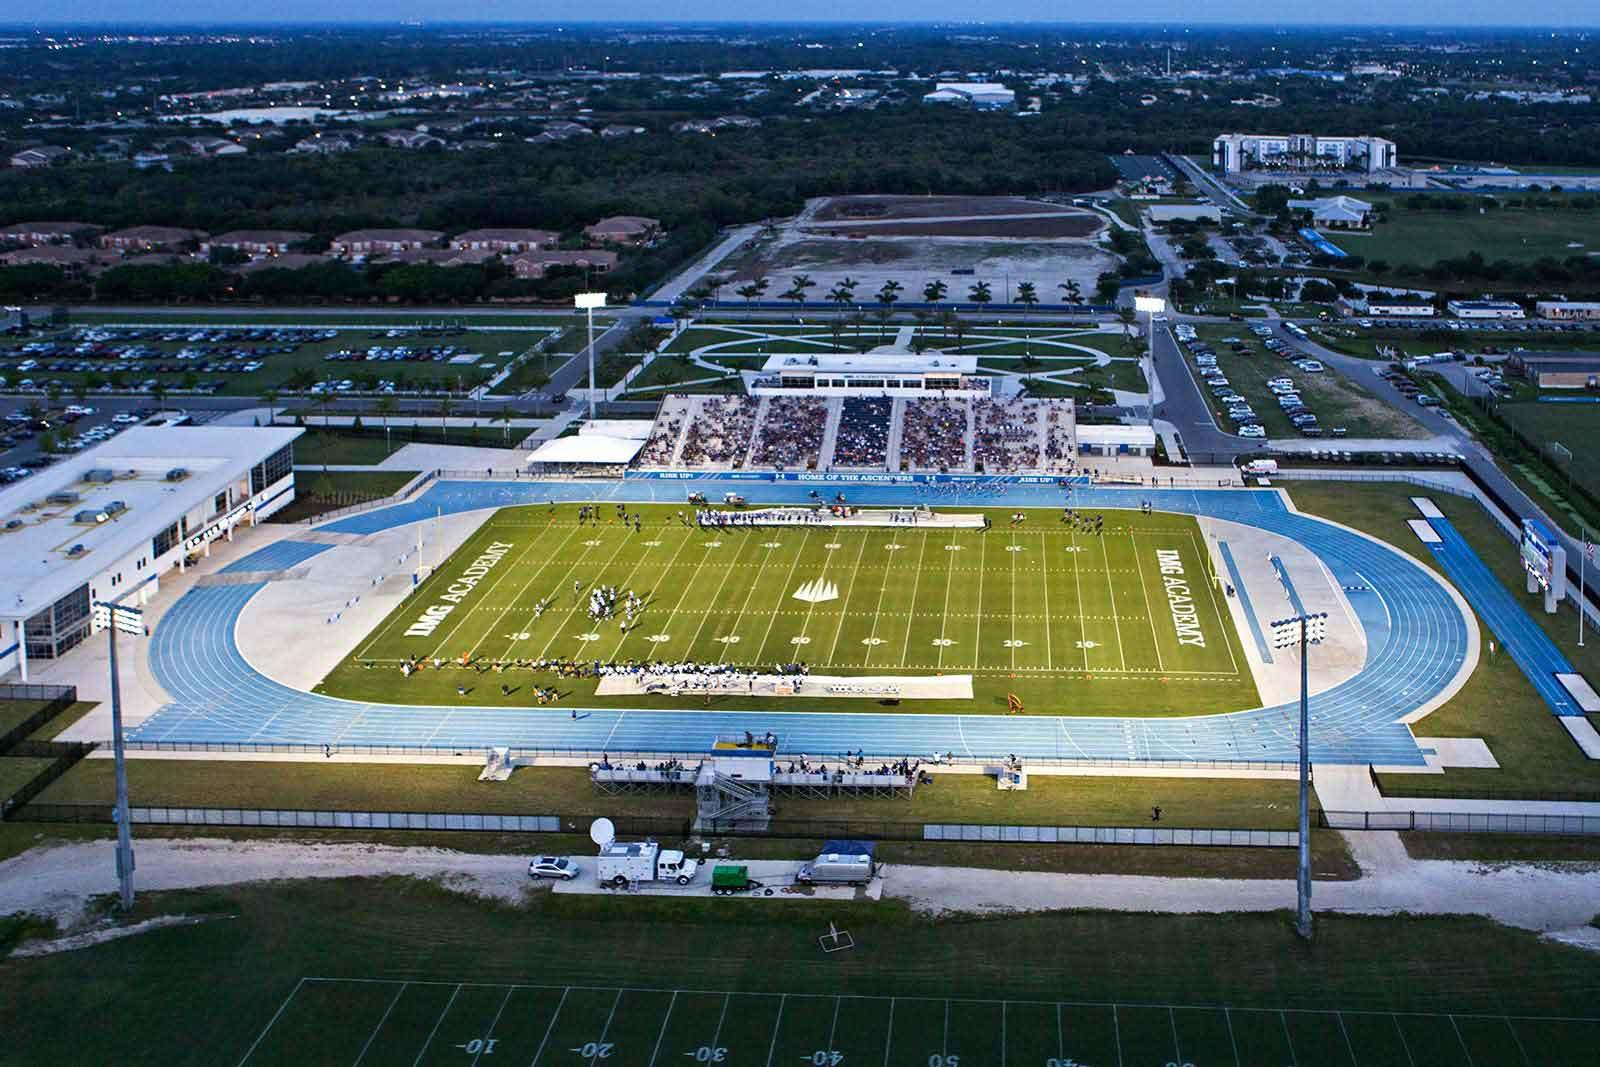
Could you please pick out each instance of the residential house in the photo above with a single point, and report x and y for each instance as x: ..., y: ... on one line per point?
x: 209, y: 147
x: 536, y: 264
x: 506, y: 240
x: 616, y: 130
x: 410, y: 139
x: 150, y: 238
x: 71, y: 259
x: 286, y: 261
x: 47, y: 233
x: 444, y: 257
x: 368, y: 242
x: 150, y: 158
x: 256, y: 242
x: 1336, y: 212
x: 323, y: 144
x: 45, y: 155
x: 623, y: 230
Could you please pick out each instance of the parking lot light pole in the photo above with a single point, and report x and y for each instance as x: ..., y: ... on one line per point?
x: 1303, y: 630
x: 588, y: 302
x: 124, y: 850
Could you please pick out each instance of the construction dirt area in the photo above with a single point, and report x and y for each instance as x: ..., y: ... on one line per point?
x: 962, y: 241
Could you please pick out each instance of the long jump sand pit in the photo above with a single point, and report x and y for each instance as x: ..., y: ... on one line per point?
x: 874, y: 687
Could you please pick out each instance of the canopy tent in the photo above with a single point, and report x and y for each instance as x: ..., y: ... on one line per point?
x: 587, y: 449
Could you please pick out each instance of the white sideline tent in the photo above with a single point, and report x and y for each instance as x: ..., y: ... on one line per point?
x: 586, y: 450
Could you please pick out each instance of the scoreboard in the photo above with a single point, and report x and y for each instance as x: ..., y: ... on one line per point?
x: 1543, y: 558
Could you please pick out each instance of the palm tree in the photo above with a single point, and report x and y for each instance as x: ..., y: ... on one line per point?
x: 979, y: 293
x: 959, y: 325
x: 842, y: 295
x: 1027, y: 296
x: 797, y: 288
x: 159, y: 391
x: 323, y: 401
x: 886, y: 300
x: 751, y: 290
x: 385, y: 406
x: 934, y: 291
x: 270, y: 398
x: 1126, y: 317
x: 1071, y: 293
x: 445, y: 404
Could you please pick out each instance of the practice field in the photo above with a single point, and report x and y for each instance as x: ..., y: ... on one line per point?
x: 1419, y: 238
x: 1073, y: 622
x: 333, y: 1021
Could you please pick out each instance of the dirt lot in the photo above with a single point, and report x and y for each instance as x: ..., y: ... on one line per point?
x: 926, y: 207
x: 1081, y: 224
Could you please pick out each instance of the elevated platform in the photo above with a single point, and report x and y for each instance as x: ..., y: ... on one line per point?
x: 876, y: 687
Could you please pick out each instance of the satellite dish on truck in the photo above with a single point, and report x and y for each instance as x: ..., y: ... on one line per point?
x: 602, y: 833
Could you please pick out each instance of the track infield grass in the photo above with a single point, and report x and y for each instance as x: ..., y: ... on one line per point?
x: 398, y: 971
x: 1072, y: 622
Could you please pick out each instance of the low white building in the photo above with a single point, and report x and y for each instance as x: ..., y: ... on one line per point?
x: 1485, y: 309
x: 1401, y: 311
x: 1567, y: 310
x: 1116, y: 440
x: 871, y: 374
x: 109, y: 522
x: 981, y: 96
x: 1336, y: 212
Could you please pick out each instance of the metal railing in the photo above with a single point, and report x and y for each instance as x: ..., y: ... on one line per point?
x: 399, y: 496
x: 1454, y: 822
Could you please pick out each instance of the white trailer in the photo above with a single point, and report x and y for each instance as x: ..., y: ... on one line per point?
x: 643, y: 861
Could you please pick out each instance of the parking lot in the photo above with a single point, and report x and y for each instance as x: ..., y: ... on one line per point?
x: 247, y: 360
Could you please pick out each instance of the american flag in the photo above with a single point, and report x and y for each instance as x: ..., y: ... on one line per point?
x: 1588, y: 551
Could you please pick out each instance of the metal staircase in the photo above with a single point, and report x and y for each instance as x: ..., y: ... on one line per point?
x: 726, y: 803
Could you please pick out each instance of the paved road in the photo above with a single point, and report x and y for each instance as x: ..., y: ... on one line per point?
x: 1187, y: 407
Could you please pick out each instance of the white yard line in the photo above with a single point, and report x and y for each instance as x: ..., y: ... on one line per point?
x: 783, y: 594
x: 532, y: 619
x: 1044, y: 552
x: 573, y: 611
x: 916, y: 580
x: 877, y: 613
x: 844, y: 609
x: 1151, y: 611
x: 1077, y: 581
x: 1121, y: 656
x: 754, y: 583
x: 1014, y: 556
x: 667, y: 570
x: 462, y: 613
x: 717, y: 600
x: 944, y: 619
x: 977, y: 638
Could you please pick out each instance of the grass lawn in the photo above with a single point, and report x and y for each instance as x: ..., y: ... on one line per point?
x: 1336, y: 400
x: 225, y: 983
x: 1061, y: 618
x: 1421, y: 238
x: 1049, y: 799
x: 1577, y: 426
x: 667, y: 372
x: 370, y: 445
x: 1498, y: 703
x: 13, y: 712
x: 18, y: 771
x: 1503, y: 848
x: 320, y: 491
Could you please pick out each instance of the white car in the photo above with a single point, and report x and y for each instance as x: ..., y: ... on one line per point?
x: 1310, y: 366
x: 124, y: 419
x: 552, y: 867
x: 1252, y: 431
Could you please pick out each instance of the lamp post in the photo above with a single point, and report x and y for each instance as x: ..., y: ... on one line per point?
x: 588, y: 302
x: 1151, y: 306
x: 124, y: 851
x: 1303, y: 630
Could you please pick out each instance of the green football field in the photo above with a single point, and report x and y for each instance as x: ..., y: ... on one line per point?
x: 1124, y: 621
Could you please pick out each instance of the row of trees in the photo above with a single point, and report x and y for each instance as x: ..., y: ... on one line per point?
x: 935, y: 291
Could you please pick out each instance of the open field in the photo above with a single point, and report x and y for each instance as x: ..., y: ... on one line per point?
x: 1576, y: 426
x: 403, y: 972
x: 1068, y: 620
x: 1420, y: 238
x: 1336, y: 400
x: 1497, y: 704
x: 844, y: 208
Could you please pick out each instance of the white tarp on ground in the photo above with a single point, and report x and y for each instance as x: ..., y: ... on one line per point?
x: 587, y: 448
x: 875, y: 687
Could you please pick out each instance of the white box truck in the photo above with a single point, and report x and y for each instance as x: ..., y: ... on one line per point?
x: 643, y: 861
x: 1261, y: 467
x: 841, y: 863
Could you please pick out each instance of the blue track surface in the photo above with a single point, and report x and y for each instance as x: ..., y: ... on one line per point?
x: 1516, y: 631
x: 279, y: 556
x: 1416, y: 642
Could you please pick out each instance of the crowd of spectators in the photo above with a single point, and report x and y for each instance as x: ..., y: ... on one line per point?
x: 863, y: 438
x: 1007, y: 435
x: 933, y: 435
x: 1061, y: 436
x: 720, y: 435
x: 663, y: 440
x: 791, y: 434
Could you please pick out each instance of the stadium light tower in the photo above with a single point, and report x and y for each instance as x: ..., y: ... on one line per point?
x: 124, y: 851
x: 1151, y: 306
x: 587, y: 302
x: 1302, y: 630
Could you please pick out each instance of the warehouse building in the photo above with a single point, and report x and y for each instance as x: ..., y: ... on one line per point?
x: 1557, y: 370
x: 1567, y: 310
x: 109, y: 522
x: 1485, y: 309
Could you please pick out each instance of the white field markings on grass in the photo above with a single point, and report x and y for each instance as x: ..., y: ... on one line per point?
x: 944, y: 619
x: 385, y: 1018
x: 600, y: 1043
x: 1044, y: 555
x: 1204, y: 561
x: 728, y: 570
x: 551, y: 1025
x: 1133, y: 538
x: 733, y: 628
x: 977, y: 637
x: 1013, y: 552
x: 622, y: 639
x: 489, y: 1033
x: 423, y: 1051
x: 661, y: 1036
x: 397, y: 616
x: 686, y: 585
x: 460, y: 616
x: 877, y: 613
x: 251, y: 1051
x: 1105, y: 555
x: 579, y: 602
x: 844, y: 609
x: 522, y: 591
x: 1077, y: 581
x: 626, y: 579
x: 911, y: 623
x: 783, y: 594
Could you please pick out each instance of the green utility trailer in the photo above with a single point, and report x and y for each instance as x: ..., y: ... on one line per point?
x: 730, y: 878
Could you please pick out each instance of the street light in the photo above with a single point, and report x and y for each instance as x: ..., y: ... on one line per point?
x: 1302, y: 630
x: 587, y: 302
x: 1151, y: 306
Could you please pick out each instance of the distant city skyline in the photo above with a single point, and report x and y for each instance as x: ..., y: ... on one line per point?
x: 1464, y: 14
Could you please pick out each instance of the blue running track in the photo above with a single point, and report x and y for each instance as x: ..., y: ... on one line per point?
x: 1417, y: 641
x: 279, y: 556
x: 1518, y: 634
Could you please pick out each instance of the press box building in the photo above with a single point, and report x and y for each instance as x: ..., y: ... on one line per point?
x: 109, y: 522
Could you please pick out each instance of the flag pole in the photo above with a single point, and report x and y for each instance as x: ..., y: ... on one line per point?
x: 1583, y: 568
